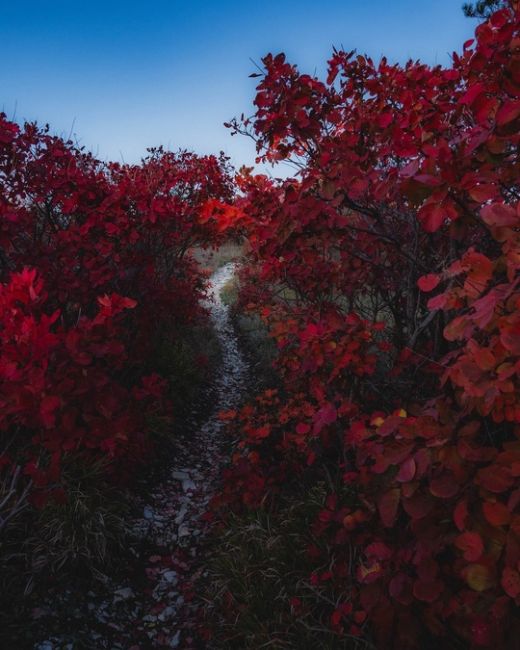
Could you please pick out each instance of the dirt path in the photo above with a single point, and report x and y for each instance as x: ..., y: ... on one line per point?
x: 155, y: 608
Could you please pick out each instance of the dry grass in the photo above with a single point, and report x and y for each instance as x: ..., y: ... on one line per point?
x: 62, y: 543
x: 259, y: 564
x: 84, y: 533
x: 213, y: 259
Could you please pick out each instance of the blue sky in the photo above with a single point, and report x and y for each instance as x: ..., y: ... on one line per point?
x: 122, y: 76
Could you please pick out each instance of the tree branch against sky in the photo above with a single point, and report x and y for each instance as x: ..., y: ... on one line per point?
x: 124, y: 77
x: 482, y: 8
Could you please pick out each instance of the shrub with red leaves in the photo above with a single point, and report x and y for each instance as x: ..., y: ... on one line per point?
x: 388, y: 274
x: 95, y: 268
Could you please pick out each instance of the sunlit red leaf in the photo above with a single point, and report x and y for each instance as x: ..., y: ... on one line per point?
x: 428, y: 282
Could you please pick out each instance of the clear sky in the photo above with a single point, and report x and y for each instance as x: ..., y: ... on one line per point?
x: 123, y: 76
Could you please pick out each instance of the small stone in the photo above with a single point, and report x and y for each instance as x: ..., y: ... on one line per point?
x: 188, y: 484
x: 166, y: 613
x: 123, y: 594
x: 180, y: 476
x: 181, y: 515
x: 170, y: 576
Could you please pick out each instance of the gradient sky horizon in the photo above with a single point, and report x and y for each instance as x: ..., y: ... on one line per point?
x: 123, y: 76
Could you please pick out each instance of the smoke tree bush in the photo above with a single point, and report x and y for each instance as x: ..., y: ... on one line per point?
x: 95, y: 268
x: 388, y: 274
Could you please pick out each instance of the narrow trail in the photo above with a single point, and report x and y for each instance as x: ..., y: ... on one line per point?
x: 155, y: 607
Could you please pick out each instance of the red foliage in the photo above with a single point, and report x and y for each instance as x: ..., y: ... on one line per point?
x: 96, y: 266
x: 408, y: 185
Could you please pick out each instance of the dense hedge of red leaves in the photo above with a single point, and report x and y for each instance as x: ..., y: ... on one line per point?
x: 388, y: 274
x: 95, y: 268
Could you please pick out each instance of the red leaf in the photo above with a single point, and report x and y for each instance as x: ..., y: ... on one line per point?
x: 484, y: 192
x: 48, y: 407
x: 428, y: 282
x: 406, y: 471
x: 496, y: 513
x: 438, y: 302
x: 400, y: 588
x: 427, y: 591
x: 432, y: 216
x: 387, y: 505
x: 508, y: 112
x: 428, y: 179
x: 444, y: 486
x: 484, y: 309
x: 379, y: 550
x: 510, y: 338
x: 227, y: 415
x: 484, y: 358
x: 385, y: 119
x: 418, y: 505
x: 455, y: 329
x: 481, y: 631
x: 326, y: 415
x: 472, y: 93
x: 410, y: 169
x: 471, y: 545
x: 510, y: 582
x: 495, y: 479
x: 262, y: 432
x: 460, y: 514
x: 499, y: 215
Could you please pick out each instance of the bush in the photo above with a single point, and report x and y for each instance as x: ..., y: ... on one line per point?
x: 96, y: 273
x: 94, y: 268
x: 388, y: 275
